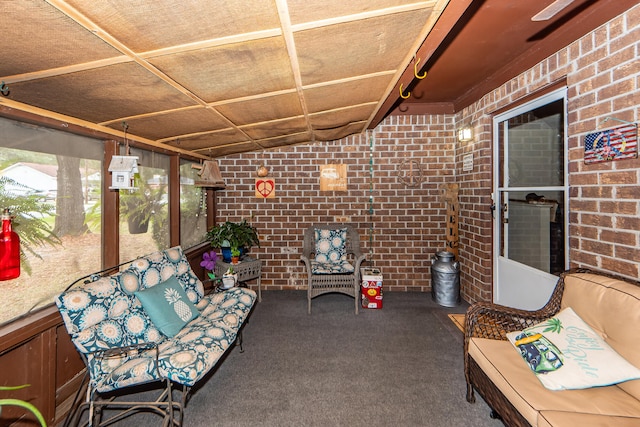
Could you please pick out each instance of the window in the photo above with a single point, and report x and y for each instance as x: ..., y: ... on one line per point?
x: 193, y: 211
x: 51, y: 181
x: 144, y: 212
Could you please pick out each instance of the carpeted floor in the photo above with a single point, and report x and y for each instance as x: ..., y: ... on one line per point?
x: 397, y: 366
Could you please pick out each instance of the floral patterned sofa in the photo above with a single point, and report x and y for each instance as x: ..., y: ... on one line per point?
x: 150, y: 322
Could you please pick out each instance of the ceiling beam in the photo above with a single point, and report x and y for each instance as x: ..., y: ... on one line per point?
x: 436, y: 36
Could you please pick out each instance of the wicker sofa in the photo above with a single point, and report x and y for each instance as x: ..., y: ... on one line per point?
x: 610, y: 307
x: 150, y: 323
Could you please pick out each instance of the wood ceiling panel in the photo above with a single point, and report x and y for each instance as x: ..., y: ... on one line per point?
x: 174, y: 124
x: 354, y: 92
x: 357, y: 48
x: 275, y: 128
x: 209, y: 141
x: 286, y: 140
x: 262, y: 109
x: 227, y: 150
x: 231, y: 71
x: 339, y: 132
x: 303, y: 11
x: 145, y: 25
x: 63, y: 43
x: 342, y: 117
x: 101, y: 95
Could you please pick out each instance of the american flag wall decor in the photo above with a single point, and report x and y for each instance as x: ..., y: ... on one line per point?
x: 612, y: 144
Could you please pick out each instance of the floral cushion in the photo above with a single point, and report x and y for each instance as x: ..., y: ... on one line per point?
x: 340, y: 267
x: 158, y: 267
x: 186, y: 357
x: 105, y: 317
x: 330, y: 245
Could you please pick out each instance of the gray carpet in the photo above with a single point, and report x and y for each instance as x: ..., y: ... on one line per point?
x: 397, y: 366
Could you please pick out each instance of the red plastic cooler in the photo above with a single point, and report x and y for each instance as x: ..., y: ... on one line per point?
x: 371, y: 289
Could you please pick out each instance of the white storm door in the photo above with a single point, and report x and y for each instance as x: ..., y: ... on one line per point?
x: 530, y: 201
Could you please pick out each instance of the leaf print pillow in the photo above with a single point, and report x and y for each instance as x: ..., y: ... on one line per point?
x: 565, y: 353
x: 168, y: 306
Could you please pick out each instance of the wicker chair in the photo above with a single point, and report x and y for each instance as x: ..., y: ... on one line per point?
x: 333, y: 279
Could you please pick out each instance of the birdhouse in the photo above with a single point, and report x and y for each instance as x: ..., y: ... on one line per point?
x: 123, y: 170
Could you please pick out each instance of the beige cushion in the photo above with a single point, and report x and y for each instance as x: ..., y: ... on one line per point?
x: 612, y: 308
x: 571, y: 419
x: 504, y: 366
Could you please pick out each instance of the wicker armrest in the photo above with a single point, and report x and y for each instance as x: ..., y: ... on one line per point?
x: 487, y: 320
x: 493, y: 321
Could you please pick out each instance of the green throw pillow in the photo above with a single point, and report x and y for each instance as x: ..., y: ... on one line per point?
x: 168, y: 306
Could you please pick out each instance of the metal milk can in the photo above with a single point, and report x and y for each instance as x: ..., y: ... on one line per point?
x: 445, y: 279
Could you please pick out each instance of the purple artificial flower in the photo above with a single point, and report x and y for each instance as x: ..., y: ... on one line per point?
x: 209, y: 260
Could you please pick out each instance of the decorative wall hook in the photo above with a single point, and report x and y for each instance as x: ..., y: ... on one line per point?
x: 415, y: 69
x: 402, y: 95
x: 4, y: 89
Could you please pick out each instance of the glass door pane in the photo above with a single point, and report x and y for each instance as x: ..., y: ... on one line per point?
x: 532, y: 192
x: 530, y: 197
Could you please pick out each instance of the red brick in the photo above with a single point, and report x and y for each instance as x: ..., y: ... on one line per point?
x: 600, y: 248
x: 619, y: 237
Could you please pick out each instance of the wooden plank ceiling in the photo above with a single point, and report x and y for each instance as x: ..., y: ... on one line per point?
x: 214, y: 77
x: 209, y: 76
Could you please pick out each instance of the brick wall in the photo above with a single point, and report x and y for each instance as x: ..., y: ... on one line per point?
x: 401, y: 232
x: 602, y: 73
x: 408, y: 223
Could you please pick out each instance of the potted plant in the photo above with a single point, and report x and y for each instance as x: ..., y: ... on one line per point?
x: 231, y: 235
x: 235, y: 255
x: 229, y: 279
x: 138, y: 206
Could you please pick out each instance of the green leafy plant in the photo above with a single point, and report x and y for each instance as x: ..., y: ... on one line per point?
x: 147, y: 201
x: 22, y: 403
x: 30, y: 212
x: 233, y: 235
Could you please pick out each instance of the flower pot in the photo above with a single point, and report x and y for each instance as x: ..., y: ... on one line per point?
x: 136, y: 226
x: 226, y: 254
x: 229, y: 281
x: 235, y: 259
